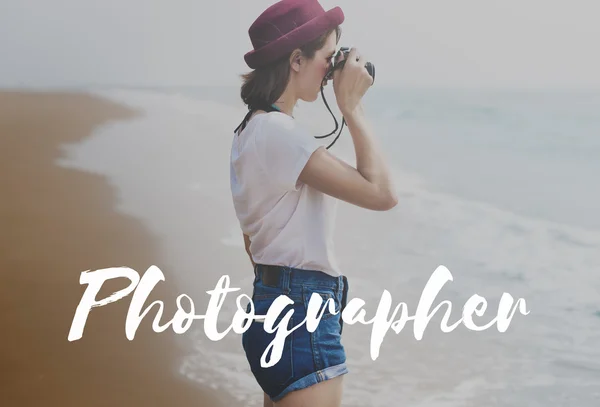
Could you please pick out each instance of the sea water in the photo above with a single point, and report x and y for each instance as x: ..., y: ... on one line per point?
x: 501, y: 187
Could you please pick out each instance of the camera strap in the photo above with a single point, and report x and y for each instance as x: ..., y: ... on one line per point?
x: 334, y: 119
x: 251, y: 110
x: 273, y: 108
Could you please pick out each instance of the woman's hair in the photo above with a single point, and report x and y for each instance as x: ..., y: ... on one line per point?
x: 266, y: 84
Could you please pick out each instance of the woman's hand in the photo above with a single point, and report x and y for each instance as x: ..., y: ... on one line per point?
x: 351, y: 82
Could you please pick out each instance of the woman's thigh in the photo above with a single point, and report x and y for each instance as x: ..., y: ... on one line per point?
x: 324, y: 394
x: 267, y: 401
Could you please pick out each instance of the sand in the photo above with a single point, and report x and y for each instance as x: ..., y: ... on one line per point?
x: 57, y: 223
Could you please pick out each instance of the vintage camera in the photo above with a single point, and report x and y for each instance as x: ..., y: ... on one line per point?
x: 339, y: 65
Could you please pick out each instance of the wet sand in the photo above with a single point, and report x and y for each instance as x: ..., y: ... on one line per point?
x: 57, y: 223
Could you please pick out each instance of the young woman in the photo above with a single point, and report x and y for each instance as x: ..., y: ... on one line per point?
x: 285, y: 187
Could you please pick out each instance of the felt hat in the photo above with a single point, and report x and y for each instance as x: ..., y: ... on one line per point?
x: 287, y: 25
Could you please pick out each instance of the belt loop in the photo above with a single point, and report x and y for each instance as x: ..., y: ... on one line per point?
x: 344, y: 301
x: 286, y: 277
x: 345, y: 291
x: 256, y: 273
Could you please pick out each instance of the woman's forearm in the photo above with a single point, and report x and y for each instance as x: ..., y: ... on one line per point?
x: 370, y: 161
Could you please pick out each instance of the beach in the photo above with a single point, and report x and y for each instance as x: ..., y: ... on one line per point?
x: 495, y: 186
x: 56, y: 223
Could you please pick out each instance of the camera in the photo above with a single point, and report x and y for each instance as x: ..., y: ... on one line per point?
x: 339, y: 65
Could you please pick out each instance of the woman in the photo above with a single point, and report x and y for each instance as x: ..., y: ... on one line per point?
x: 285, y: 188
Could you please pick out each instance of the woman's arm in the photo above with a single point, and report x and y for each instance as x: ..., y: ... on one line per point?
x: 369, y: 185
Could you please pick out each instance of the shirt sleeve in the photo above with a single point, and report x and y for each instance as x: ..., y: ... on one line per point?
x: 283, y: 148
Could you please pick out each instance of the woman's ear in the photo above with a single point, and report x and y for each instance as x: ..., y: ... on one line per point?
x: 296, y: 60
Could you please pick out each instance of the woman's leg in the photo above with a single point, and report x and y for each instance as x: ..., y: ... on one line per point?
x: 267, y: 401
x: 324, y: 394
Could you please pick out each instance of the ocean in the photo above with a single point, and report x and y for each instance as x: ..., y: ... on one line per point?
x: 497, y: 186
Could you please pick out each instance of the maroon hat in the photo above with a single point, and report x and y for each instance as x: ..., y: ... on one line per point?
x: 287, y: 25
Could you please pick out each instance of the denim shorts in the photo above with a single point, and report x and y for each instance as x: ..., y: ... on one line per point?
x: 308, y: 357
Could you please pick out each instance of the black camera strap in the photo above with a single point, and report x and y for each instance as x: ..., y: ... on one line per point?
x: 251, y: 109
x: 272, y: 108
x: 334, y: 119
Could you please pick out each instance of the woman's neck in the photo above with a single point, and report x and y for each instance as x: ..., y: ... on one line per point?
x: 286, y: 102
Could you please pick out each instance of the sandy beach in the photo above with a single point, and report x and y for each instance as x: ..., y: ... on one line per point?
x: 57, y: 222
x: 139, y: 177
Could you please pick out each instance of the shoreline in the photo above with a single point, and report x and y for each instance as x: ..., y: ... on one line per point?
x: 57, y: 223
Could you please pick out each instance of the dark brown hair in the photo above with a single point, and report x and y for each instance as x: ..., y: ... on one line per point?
x: 266, y: 84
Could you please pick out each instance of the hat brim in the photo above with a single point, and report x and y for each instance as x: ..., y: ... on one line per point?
x: 295, y: 38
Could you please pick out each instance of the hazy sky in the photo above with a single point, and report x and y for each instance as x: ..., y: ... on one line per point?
x: 455, y: 43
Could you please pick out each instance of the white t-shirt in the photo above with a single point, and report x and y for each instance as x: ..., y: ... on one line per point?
x: 289, y: 223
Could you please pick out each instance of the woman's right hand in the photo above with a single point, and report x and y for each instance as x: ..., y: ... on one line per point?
x: 351, y: 82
